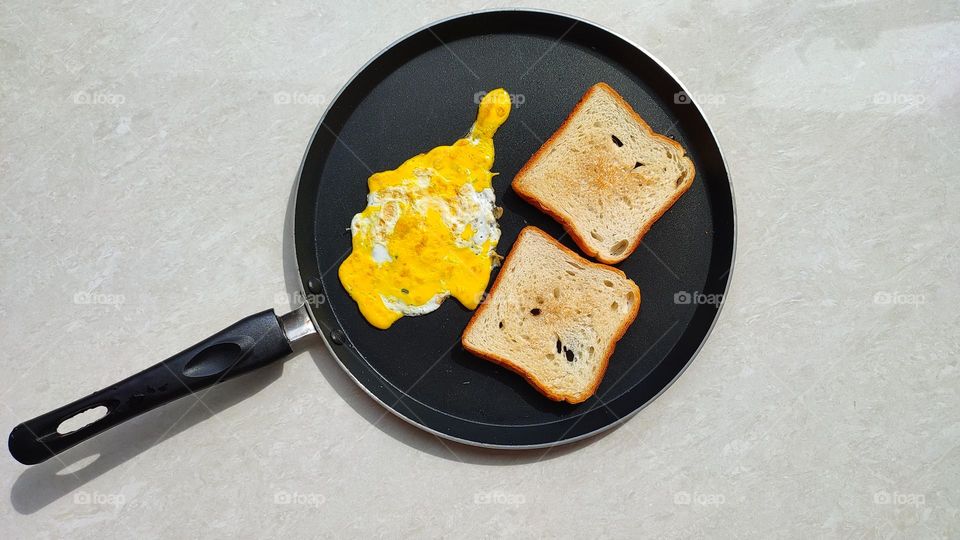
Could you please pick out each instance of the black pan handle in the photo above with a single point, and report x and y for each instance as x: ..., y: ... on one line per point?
x: 253, y: 342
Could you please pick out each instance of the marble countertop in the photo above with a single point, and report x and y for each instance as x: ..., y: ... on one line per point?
x: 824, y: 404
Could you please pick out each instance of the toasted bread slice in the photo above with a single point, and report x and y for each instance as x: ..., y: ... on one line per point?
x: 605, y: 175
x: 553, y: 317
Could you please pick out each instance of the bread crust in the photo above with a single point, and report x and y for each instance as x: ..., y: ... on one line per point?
x: 507, y: 363
x: 579, y: 237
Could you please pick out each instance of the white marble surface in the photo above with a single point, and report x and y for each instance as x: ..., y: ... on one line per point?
x: 825, y: 404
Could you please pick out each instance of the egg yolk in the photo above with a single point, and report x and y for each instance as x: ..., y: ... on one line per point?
x: 429, y: 229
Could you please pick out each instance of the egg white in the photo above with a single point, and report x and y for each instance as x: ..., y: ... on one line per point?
x: 399, y: 306
x: 472, y: 208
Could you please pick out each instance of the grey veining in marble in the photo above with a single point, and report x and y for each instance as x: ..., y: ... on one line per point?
x: 825, y: 404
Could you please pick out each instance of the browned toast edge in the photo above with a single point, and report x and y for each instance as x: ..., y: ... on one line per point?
x: 505, y: 362
x: 567, y: 225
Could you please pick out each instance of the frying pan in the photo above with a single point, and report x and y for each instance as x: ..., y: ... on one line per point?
x: 421, y: 92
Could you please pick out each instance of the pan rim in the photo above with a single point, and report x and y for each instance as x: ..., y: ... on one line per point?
x: 623, y: 419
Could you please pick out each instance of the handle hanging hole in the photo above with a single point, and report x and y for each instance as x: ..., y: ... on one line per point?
x: 82, y: 420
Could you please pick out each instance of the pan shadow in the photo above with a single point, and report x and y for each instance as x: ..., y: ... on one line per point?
x: 44, y: 483
x: 390, y: 423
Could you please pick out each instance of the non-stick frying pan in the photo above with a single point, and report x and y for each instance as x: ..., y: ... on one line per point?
x: 421, y: 92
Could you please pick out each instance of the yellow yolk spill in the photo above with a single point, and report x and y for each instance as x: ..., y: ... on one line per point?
x: 428, y: 230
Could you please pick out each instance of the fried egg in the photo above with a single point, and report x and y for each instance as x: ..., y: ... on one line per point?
x: 429, y: 230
